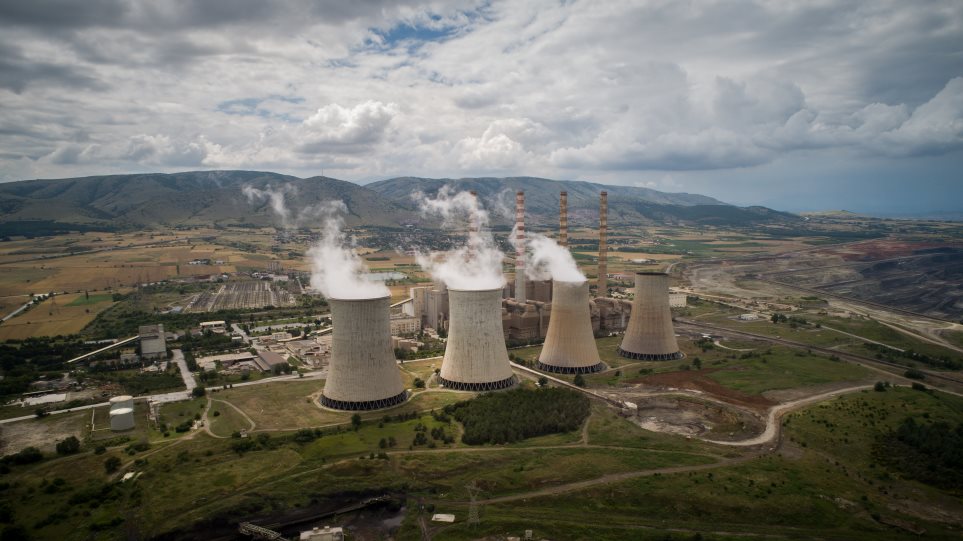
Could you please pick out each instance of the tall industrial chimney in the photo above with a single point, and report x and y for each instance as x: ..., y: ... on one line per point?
x: 362, y: 374
x: 520, y: 247
x: 475, y: 356
x: 569, y: 343
x: 563, y: 219
x: 603, y: 265
x: 650, y: 335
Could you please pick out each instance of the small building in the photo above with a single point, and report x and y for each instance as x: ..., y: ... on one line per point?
x: 323, y: 534
x: 214, y: 326
x: 403, y: 324
x: 267, y: 360
x: 153, y: 342
x: 677, y: 300
x: 749, y: 317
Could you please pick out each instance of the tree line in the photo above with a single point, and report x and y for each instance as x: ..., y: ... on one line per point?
x: 510, y: 416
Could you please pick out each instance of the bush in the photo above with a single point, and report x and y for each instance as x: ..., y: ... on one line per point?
x: 28, y: 455
x: 198, y: 392
x: 913, y: 373
x: 579, y: 380
x: 881, y: 386
x: 419, y: 383
x: 68, y: 446
x: 112, y: 464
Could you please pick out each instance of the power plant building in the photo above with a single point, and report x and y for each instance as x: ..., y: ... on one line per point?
x: 650, y: 335
x: 153, y: 342
x: 570, y: 343
x: 362, y: 373
x: 476, y: 358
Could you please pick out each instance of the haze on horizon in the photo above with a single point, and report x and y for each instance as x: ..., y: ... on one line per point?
x: 837, y: 104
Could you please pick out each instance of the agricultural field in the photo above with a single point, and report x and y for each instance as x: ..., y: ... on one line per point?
x: 57, y: 315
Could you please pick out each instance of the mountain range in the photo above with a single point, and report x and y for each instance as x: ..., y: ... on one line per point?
x: 217, y: 197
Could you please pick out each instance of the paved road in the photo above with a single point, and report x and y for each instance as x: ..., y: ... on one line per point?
x: 186, y: 375
x: 237, y: 329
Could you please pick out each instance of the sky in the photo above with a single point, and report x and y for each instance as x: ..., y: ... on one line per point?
x: 798, y: 106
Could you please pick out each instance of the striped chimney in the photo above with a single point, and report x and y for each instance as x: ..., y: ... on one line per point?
x: 563, y: 219
x: 520, y: 247
x: 603, y: 266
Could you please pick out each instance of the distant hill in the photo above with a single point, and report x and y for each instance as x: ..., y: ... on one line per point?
x: 201, y: 197
x: 627, y: 204
x: 216, y: 197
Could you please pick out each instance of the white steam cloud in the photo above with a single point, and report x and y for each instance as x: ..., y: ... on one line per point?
x: 336, y: 269
x: 478, y: 264
x: 548, y: 260
x: 275, y: 197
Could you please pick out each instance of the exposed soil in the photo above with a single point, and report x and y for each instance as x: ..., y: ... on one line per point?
x: 692, y: 417
x: 883, y: 249
x: 43, y: 435
x: 696, y: 380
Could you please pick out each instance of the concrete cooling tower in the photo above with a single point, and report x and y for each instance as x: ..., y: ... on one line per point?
x: 121, y: 419
x: 569, y: 344
x: 475, y: 356
x: 650, y: 335
x: 362, y: 374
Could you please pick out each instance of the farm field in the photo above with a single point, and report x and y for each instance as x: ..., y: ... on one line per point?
x: 58, y: 315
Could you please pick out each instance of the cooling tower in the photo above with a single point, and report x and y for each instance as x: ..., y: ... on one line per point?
x: 569, y: 344
x: 362, y: 374
x: 122, y: 401
x: 603, y: 265
x: 649, y: 335
x: 121, y: 419
x: 475, y: 356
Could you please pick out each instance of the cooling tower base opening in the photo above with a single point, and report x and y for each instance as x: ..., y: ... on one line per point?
x: 486, y: 386
x: 652, y: 356
x: 570, y: 369
x: 345, y: 405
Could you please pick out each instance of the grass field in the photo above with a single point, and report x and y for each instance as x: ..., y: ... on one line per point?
x: 59, y: 315
x: 785, y: 369
x: 225, y: 420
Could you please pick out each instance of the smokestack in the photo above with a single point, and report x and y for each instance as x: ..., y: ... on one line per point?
x: 569, y: 343
x: 520, y: 247
x: 603, y: 265
x: 475, y: 356
x: 474, y: 224
x: 363, y: 374
x: 650, y: 335
x: 563, y: 219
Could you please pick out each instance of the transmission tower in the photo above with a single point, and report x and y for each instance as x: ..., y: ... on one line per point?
x: 473, y: 491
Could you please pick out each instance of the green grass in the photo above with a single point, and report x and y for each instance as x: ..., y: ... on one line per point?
x: 785, y: 370
x: 953, y: 337
x: 93, y: 299
x: 227, y: 421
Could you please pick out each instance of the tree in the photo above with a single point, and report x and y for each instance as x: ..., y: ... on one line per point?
x: 542, y: 381
x: 579, y: 380
x: 198, y: 392
x: 68, y: 446
x: 112, y: 464
x: 697, y: 362
x: 356, y: 421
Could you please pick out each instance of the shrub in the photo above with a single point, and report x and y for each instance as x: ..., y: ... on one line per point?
x: 68, y: 446
x: 112, y: 464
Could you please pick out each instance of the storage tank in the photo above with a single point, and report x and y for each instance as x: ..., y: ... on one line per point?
x: 476, y: 358
x: 363, y: 373
x: 121, y: 419
x: 122, y: 401
x: 650, y: 335
x: 570, y: 344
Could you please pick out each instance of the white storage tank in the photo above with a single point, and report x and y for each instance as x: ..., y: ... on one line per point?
x: 121, y: 419
x: 122, y: 401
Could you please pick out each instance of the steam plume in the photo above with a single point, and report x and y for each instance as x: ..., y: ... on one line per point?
x: 476, y: 265
x: 336, y: 269
x: 548, y: 260
x: 276, y: 199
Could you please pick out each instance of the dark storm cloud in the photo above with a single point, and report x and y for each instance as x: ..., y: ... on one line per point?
x: 17, y: 72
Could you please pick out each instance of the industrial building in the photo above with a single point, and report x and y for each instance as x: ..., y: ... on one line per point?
x: 476, y: 358
x: 650, y: 335
x: 362, y: 373
x: 153, y: 342
x: 570, y: 343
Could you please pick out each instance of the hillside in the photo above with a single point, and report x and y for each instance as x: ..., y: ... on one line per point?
x: 627, y: 204
x: 216, y: 197
x: 185, y: 198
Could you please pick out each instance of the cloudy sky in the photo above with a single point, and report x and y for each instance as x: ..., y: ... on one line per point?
x: 794, y: 105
